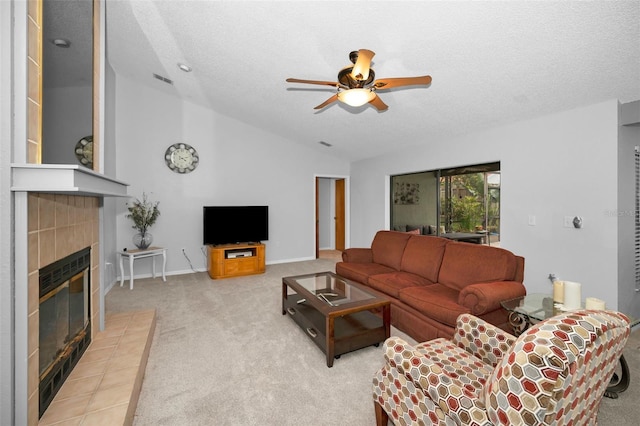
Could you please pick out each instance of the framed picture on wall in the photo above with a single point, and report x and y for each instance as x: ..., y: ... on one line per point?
x: 406, y: 193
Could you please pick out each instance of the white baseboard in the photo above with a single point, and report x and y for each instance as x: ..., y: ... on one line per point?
x: 150, y: 275
x: 300, y: 259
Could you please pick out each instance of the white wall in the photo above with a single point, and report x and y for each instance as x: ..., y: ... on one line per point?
x: 7, y: 293
x: 65, y: 120
x: 239, y: 165
x: 558, y: 165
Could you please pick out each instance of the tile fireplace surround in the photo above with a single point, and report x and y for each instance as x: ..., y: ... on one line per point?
x: 106, y: 382
x: 58, y: 225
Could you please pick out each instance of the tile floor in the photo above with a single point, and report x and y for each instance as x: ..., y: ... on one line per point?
x: 104, y: 386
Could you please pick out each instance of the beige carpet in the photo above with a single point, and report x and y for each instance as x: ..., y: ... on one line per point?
x: 223, y: 354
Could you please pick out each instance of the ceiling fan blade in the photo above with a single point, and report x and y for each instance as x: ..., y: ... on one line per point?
x: 363, y: 63
x: 377, y: 102
x: 323, y: 83
x: 327, y: 102
x: 390, y: 83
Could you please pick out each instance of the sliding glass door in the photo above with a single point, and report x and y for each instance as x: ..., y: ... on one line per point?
x: 460, y: 203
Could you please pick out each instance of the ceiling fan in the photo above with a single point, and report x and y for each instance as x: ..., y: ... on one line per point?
x: 357, y: 86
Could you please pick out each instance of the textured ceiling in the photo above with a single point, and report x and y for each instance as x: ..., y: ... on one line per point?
x: 72, y: 66
x: 492, y: 63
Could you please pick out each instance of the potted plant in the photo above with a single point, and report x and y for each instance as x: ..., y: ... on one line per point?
x: 143, y: 214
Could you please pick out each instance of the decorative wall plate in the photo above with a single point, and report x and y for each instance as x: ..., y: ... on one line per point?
x: 181, y: 158
x: 84, y: 151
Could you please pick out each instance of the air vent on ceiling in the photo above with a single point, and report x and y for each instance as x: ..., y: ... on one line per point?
x: 161, y: 78
x: 324, y: 143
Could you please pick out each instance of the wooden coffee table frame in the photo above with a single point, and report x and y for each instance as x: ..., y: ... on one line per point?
x: 336, y: 329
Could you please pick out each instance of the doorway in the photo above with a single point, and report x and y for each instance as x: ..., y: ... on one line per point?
x: 330, y: 217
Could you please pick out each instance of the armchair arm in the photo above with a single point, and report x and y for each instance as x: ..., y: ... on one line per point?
x: 357, y: 255
x: 481, y: 339
x: 433, y: 379
x: 486, y: 297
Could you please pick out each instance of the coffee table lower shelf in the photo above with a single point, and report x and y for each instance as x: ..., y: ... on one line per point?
x: 336, y: 335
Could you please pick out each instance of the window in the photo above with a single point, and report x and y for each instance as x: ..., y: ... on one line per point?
x: 461, y: 203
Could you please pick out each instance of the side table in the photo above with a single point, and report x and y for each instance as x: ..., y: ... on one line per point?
x: 527, y: 310
x: 140, y: 254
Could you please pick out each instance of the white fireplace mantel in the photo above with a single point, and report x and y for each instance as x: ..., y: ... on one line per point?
x: 64, y: 179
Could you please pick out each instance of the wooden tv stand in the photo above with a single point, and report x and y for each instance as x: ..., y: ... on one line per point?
x: 234, y: 260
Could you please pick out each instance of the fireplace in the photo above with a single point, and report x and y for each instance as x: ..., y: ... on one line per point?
x: 65, y: 326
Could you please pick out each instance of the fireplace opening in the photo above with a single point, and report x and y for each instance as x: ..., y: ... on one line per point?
x: 65, y: 327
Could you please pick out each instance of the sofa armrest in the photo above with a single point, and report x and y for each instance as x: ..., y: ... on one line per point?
x: 431, y: 378
x: 486, y: 297
x: 357, y: 255
x: 481, y: 339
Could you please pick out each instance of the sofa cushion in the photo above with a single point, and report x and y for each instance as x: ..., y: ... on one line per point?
x: 388, y: 246
x: 435, y: 301
x: 465, y: 264
x: 360, y: 272
x: 392, y: 282
x: 415, y: 228
x: 423, y: 255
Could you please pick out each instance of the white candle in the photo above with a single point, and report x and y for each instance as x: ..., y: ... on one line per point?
x: 594, y: 303
x: 572, y: 295
x: 558, y: 291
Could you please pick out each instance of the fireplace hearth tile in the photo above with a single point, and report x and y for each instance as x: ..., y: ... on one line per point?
x: 106, y: 398
x: 112, y: 333
x: 109, y: 342
x: 115, y: 415
x: 119, y: 377
x: 87, y: 369
x: 64, y: 409
x: 125, y: 350
x: 92, y: 355
x: 78, y: 387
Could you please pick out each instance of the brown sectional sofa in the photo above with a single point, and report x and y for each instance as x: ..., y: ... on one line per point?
x: 431, y: 280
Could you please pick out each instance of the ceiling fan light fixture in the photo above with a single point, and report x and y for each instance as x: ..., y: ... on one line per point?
x: 356, y: 97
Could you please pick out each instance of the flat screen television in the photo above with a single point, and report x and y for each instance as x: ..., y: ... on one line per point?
x: 235, y: 224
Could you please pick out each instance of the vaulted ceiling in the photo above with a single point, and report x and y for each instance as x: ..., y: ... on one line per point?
x: 492, y: 63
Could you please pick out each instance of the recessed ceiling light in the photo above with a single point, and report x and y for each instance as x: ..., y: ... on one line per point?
x: 184, y: 67
x: 61, y: 42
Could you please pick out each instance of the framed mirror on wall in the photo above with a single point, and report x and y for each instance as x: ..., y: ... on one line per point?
x: 67, y: 82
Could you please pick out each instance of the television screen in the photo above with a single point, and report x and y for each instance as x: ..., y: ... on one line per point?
x: 235, y: 224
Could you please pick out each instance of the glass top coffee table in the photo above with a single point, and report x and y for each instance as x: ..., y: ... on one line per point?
x: 338, y: 314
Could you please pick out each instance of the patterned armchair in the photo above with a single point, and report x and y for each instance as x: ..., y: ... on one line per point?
x: 555, y: 373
